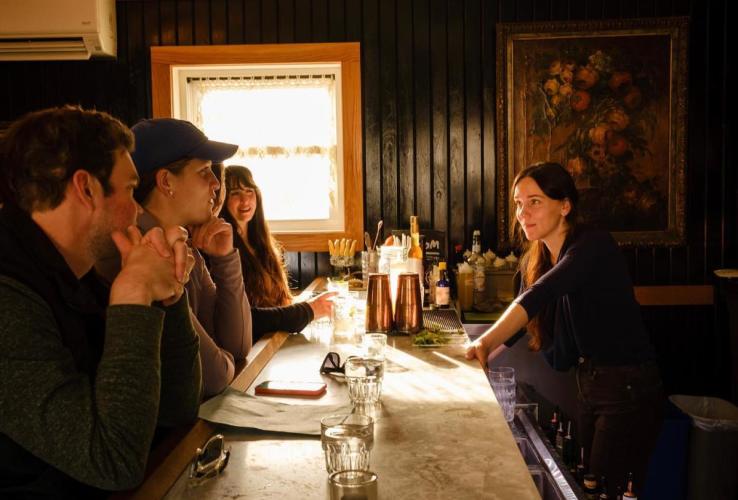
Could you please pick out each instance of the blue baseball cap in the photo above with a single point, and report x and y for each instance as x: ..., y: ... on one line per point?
x: 161, y: 141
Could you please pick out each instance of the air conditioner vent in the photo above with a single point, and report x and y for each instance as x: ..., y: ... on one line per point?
x: 63, y: 29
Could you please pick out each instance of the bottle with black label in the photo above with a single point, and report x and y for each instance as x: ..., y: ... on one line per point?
x: 552, y: 426
x: 629, y: 491
x: 443, y: 288
x: 603, y: 490
x: 457, y: 259
x: 580, y: 466
x: 590, y: 487
x: 569, y: 455
x: 476, y: 245
x: 560, y: 439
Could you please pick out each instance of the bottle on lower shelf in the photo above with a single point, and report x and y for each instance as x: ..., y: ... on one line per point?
x: 580, y: 466
x: 590, y: 487
x: 560, y: 439
x: 603, y: 490
x: 552, y: 426
x: 629, y: 492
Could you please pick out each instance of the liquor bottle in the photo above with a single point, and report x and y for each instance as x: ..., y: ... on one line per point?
x: 552, y: 425
x: 590, y: 487
x: 443, y: 288
x: 415, y: 254
x: 629, y: 492
x: 477, y: 242
x: 603, y: 490
x: 580, y: 466
x: 560, y: 439
x: 458, y: 258
x: 569, y: 455
x: 476, y: 260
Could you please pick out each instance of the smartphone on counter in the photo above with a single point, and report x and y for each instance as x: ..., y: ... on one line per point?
x: 281, y: 388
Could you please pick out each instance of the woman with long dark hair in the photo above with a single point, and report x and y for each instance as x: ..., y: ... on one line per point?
x: 263, y: 269
x: 578, y: 306
x: 266, y: 279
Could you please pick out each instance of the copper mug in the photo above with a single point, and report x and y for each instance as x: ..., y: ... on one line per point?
x: 409, y: 305
x: 378, y: 304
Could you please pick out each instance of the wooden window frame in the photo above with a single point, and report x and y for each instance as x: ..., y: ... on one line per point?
x: 347, y: 54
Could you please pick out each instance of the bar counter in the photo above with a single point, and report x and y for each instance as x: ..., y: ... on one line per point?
x: 439, y: 432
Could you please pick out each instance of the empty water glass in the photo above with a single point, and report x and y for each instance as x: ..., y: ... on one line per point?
x: 352, y: 484
x: 364, y: 378
x: 347, y: 440
x: 502, y: 380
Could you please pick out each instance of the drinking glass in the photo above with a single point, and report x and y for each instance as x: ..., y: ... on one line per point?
x: 502, y: 380
x: 369, y: 264
x: 364, y: 378
x: 352, y: 484
x: 343, y: 319
x: 347, y: 440
x: 375, y: 345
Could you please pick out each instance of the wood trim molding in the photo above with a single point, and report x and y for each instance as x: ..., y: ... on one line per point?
x: 348, y: 54
x: 675, y: 295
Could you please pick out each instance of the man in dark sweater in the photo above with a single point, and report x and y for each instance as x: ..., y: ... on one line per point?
x: 86, y: 373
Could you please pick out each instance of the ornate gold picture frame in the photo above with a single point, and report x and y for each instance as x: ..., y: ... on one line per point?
x: 608, y: 101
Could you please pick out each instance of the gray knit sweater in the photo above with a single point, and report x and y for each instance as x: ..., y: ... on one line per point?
x: 96, y: 431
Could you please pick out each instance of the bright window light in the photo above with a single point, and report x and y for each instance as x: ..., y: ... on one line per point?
x: 285, y: 123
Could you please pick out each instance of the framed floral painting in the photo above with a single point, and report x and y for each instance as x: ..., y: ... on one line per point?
x: 607, y: 100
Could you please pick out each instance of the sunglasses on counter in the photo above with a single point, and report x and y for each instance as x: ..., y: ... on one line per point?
x: 332, y: 364
x: 210, y: 460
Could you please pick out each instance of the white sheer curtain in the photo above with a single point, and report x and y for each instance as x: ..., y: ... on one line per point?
x: 286, y: 130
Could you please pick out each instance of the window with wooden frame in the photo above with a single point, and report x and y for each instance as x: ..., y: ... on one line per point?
x: 295, y: 112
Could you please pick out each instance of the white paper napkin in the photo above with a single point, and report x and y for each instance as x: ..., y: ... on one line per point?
x: 239, y: 409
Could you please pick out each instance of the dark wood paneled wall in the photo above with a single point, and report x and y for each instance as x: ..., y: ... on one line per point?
x: 428, y: 84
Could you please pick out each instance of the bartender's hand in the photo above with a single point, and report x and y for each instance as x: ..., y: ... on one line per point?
x: 322, y: 305
x: 479, y: 350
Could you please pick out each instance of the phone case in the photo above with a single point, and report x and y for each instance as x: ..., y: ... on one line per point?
x: 279, y: 388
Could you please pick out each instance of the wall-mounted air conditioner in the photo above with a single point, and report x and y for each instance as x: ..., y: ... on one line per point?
x: 56, y: 29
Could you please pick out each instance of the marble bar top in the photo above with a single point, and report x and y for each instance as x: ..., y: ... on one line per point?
x: 439, y: 433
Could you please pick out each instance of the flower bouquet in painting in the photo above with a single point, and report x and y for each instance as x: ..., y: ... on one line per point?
x: 608, y: 100
x: 595, y: 111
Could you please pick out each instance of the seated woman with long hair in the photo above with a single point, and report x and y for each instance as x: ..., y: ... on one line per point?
x: 263, y: 269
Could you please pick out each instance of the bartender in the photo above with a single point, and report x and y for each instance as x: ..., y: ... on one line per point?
x: 578, y: 307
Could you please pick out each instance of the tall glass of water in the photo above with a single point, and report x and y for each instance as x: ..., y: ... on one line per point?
x: 502, y: 380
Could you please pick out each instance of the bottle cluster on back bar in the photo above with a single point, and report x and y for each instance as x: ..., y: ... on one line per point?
x: 559, y: 432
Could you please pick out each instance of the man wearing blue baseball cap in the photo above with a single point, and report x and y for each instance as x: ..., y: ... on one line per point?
x: 177, y: 188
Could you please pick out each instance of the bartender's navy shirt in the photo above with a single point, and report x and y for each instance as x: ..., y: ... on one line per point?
x: 592, y: 308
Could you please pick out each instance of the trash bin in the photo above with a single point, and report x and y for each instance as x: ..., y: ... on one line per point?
x: 712, y: 464
x: 667, y: 469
